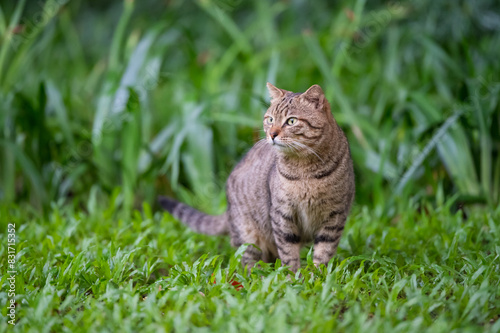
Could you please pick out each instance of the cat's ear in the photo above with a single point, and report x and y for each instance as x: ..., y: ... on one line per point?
x: 314, y: 95
x: 274, y: 92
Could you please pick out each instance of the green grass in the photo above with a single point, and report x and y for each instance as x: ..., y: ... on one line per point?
x: 104, y: 271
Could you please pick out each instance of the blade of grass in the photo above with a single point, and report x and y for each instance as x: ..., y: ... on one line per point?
x: 24, y: 49
x: 116, y: 49
x: 3, y: 23
x: 130, y: 146
x: 114, y: 64
x: 30, y: 171
x: 7, y: 37
x: 56, y: 101
x: 486, y: 149
x: 418, y: 161
x: 228, y: 25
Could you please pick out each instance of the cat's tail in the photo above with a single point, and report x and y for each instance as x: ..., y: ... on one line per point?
x: 196, y: 220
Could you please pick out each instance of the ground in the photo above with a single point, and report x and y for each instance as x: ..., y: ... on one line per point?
x: 425, y: 270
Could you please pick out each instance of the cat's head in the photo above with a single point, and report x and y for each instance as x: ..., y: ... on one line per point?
x: 295, y: 123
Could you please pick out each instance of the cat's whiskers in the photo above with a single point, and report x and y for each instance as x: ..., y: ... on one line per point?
x: 292, y: 147
x: 260, y: 142
x: 303, y: 146
x: 297, y: 148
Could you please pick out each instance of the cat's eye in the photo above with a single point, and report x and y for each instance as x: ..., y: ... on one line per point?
x: 291, y: 121
x: 270, y: 120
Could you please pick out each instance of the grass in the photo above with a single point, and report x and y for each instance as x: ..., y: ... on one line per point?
x: 104, y: 271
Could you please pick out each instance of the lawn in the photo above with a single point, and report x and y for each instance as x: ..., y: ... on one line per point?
x: 98, y: 271
x: 105, y: 105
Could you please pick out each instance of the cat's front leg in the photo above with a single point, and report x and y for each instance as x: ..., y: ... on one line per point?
x: 287, y: 238
x: 327, y: 238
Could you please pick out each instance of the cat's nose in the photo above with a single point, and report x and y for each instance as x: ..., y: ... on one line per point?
x: 274, y: 134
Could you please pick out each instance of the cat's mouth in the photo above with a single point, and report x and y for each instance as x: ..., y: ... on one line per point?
x: 278, y: 144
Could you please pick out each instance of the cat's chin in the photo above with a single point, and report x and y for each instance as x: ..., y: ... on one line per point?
x: 277, y: 145
x: 282, y: 148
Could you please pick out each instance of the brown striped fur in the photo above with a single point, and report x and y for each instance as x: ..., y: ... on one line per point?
x: 294, y: 187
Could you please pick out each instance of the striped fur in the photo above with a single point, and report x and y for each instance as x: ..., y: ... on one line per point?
x: 294, y: 187
x: 196, y: 220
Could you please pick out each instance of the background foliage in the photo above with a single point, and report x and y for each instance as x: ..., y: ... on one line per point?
x: 161, y: 97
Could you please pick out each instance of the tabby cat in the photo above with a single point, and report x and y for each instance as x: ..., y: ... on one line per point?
x: 293, y: 187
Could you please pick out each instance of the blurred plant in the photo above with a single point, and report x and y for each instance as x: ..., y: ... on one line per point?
x: 167, y: 98
x: 22, y: 118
